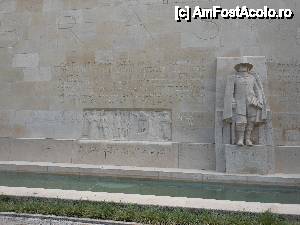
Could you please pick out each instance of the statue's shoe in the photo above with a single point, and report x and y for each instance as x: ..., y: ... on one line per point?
x: 240, y: 143
x: 249, y: 143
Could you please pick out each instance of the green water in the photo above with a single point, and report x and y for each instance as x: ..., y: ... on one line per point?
x: 250, y: 193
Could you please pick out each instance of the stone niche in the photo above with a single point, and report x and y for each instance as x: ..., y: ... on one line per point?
x: 127, y: 124
x: 236, y: 159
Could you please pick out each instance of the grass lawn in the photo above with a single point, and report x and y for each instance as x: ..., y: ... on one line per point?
x: 136, y: 213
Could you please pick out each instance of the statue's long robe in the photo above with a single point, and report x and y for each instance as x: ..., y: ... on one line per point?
x: 241, y: 109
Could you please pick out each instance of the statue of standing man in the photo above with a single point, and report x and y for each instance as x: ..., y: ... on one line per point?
x: 244, y: 102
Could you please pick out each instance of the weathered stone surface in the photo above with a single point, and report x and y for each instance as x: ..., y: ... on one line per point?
x: 258, y: 159
x: 53, y: 5
x: 149, y: 154
x: 286, y: 128
x: 5, y: 149
x: 37, y: 74
x: 47, y: 124
x: 9, y: 75
x: 101, y: 152
x: 7, y: 6
x: 197, y: 156
x: 29, y: 5
x: 59, y: 58
x: 26, y: 60
x: 287, y: 159
x: 41, y: 150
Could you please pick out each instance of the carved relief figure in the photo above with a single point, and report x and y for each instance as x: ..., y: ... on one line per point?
x: 244, y: 102
x: 165, y: 125
x: 93, y: 123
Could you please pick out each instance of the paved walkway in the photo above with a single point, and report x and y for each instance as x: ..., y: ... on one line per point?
x: 4, y: 220
x: 27, y: 219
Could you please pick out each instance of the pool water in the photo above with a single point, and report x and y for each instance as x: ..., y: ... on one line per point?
x: 220, y: 191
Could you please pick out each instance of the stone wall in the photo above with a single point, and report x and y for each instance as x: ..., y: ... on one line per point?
x: 59, y: 58
x: 119, y: 153
x: 129, y: 153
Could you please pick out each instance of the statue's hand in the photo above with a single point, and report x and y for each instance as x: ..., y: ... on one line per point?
x: 255, y: 102
x: 228, y: 120
x: 259, y: 105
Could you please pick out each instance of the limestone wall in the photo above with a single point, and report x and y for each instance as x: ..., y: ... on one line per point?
x: 120, y: 153
x: 128, y: 153
x: 59, y: 58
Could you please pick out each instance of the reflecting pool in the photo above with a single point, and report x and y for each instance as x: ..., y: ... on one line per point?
x: 220, y: 191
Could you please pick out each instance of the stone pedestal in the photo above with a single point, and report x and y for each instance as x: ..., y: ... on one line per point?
x: 257, y: 159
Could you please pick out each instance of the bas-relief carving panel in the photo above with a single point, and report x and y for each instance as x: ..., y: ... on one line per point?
x: 127, y: 125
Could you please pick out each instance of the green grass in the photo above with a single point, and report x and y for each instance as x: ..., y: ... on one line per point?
x: 136, y: 213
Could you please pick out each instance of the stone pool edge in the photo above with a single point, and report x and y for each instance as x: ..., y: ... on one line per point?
x: 182, y: 202
x: 150, y: 173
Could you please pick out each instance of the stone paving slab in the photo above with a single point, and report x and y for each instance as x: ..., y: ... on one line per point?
x: 196, y: 203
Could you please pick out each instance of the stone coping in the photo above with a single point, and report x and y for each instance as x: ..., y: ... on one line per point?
x: 183, y: 202
x: 91, y: 141
x: 48, y: 219
x: 150, y: 173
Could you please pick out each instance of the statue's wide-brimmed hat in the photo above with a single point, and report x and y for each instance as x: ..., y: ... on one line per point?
x: 244, y: 62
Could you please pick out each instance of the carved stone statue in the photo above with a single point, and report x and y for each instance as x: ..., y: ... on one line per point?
x: 244, y: 102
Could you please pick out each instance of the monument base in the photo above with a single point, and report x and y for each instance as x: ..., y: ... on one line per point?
x: 199, y: 156
x: 258, y: 159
